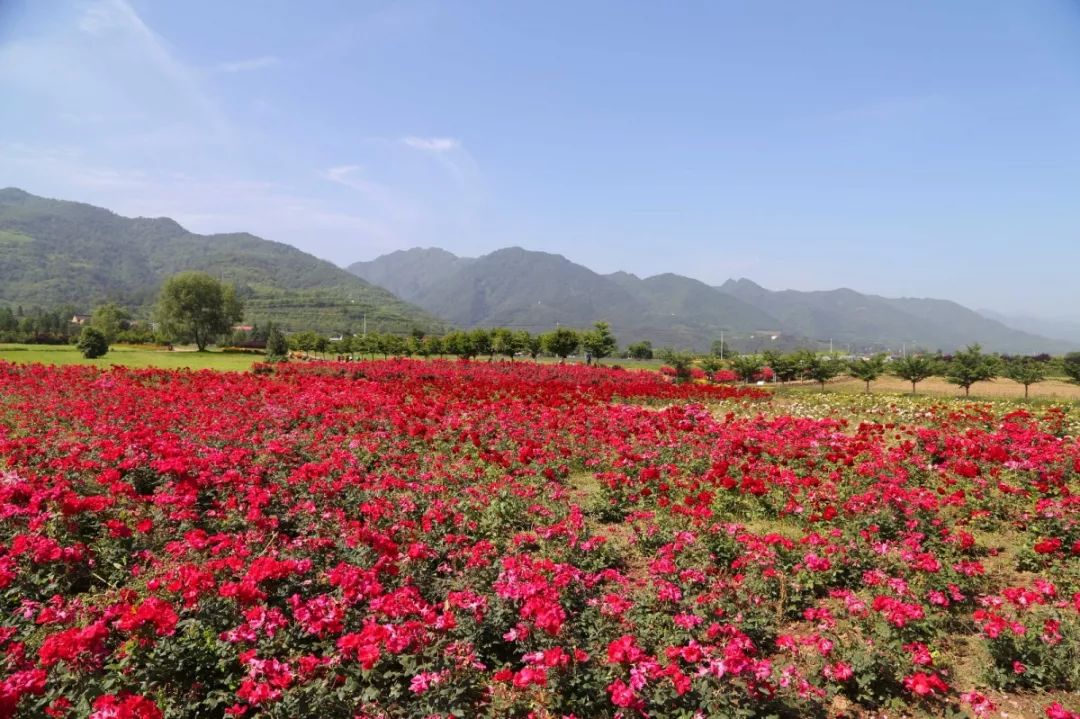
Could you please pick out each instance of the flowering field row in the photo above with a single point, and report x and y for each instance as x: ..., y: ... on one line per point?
x: 436, y: 539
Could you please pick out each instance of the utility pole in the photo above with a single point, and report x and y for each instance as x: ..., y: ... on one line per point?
x: 365, y: 324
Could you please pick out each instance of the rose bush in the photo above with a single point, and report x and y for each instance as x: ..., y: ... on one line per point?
x: 463, y: 539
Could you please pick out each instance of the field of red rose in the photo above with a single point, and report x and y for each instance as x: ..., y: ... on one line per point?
x: 471, y: 539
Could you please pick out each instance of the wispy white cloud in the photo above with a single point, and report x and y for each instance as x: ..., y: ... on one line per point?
x: 340, y: 174
x: 380, y: 199
x: 115, y: 21
x: 249, y: 64
x: 432, y: 144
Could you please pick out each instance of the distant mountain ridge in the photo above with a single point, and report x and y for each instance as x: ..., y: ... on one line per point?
x: 55, y: 252
x: 1057, y: 328
x: 535, y: 290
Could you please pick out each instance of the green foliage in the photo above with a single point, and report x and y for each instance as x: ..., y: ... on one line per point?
x: 711, y: 364
x: 820, y: 368
x: 969, y: 366
x: 787, y: 367
x: 1070, y: 365
x: 71, y: 253
x: 562, y: 342
x: 110, y: 319
x: 867, y: 369
x: 747, y: 367
x: 277, y: 347
x: 92, y: 343
x: 506, y: 342
x: 482, y: 341
x: 640, y: 350
x: 195, y: 307
x: 599, y: 342
x: 1026, y: 371
x: 306, y: 341
x: 915, y: 368
x: 534, y: 344
x: 682, y: 362
x: 38, y: 326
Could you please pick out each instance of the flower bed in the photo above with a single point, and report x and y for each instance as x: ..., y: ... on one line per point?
x: 436, y: 539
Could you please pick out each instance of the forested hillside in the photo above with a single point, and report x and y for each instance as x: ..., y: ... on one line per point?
x: 54, y: 252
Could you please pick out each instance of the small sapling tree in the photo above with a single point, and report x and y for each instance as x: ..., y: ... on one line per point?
x: 867, y: 369
x: 599, y: 342
x: 969, y: 366
x: 277, y: 347
x: 747, y: 367
x: 1026, y: 371
x: 92, y: 343
x: 681, y: 362
x: 821, y: 369
x: 915, y: 369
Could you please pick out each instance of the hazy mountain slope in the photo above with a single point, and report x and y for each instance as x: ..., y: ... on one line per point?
x: 842, y: 315
x: 674, y: 300
x: 849, y: 317
x: 966, y: 326
x: 56, y: 252
x: 538, y: 291
x: 1064, y: 329
x: 535, y: 290
x: 410, y: 273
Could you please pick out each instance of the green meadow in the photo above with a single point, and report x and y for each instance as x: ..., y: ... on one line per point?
x: 129, y: 357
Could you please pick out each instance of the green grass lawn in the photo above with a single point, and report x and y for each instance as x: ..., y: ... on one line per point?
x: 129, y: 357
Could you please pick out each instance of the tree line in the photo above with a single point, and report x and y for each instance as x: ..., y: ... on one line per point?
x: 963, y: 368
x: 195, y: 307
x: 597, y: 343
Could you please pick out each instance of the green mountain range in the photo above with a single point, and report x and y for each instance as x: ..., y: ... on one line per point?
x: 54, y: 252
x: 848, y: 317
x: 536, y: 290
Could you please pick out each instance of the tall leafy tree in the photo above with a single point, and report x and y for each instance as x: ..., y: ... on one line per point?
x: 969, y: 366
x: 562, y: 342
x: 482, y: 342
x: 110, y: 319
x: 195, y: 307
x: 534, y: 344
x: 1070, y: 364
x: 640, y: 350
x: 599, y: 341
x: 915, y: 368
x: 1026, y: 371
x: 867, y: 369
x: 506, y: 342
x: 277, y: 347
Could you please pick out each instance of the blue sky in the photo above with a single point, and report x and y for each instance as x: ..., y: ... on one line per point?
x: 908, y: 148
